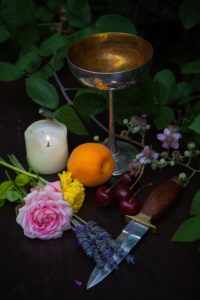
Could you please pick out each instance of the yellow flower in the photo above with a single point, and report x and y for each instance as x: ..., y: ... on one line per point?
x: 73, y: 190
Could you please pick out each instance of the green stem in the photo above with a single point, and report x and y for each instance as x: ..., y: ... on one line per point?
x: 134, y: 184
x: 23, y: 172
x: 142, y: 187
x: 75, y: 216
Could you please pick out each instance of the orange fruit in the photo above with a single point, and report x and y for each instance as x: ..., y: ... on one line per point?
x: 91, y: 163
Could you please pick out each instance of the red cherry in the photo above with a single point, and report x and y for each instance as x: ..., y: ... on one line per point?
x: 127, y: 178
x: 130, y: 207
x: 104, y: 196
x: 122, y: 192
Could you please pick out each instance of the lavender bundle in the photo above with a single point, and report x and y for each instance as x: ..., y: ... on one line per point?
x: 98, y: 244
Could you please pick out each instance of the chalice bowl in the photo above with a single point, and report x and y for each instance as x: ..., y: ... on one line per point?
x: 111, y: 61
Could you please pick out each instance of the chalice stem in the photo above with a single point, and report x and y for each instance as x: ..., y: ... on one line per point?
x: 112, y: 142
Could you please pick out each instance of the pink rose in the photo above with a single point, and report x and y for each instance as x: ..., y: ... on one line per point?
x: 45, y: 214
x: 50, y: 186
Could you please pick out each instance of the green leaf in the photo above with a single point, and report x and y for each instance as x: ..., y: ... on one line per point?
x: 189, y: 13
x: 52, y: 44
x: 83, y: 32
x: 43, y: 14
x: 4, y: 34
x: 13, y: 196
x: 29, y: 62
x: 144, y: 95
x: 195, y: 108
x: 92, y: 91
x: 188, y: 231
x: 68, y: 116
x: 183, y: 90
x: 195, y: 208
x: 159, y: 91
x: 4, y: 188
x: 195, y: 82
x: 196, y: 124
x: 115, y: 23
x: 18, y: 18
x: 78, y: 13
x: 124, y: 104
x: 22, y: 180
x: 163, y: 117
x: 2, y: 202
x: 42, y: 92
x: 191, y: 68
x: 89, y: 103
x: 45, y: 72
x: 9, y: 72
x: 167, y: 81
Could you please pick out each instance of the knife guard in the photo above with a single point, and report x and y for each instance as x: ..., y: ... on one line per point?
x: 158, y: 203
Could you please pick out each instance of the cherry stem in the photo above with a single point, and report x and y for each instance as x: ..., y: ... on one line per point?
x: 117, y: 181
x: 142, y: 171
x: 142, y: 187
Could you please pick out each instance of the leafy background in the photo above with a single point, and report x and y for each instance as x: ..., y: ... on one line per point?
x: 37, y: 34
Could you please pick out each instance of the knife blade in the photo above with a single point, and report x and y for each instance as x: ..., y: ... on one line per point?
x: 156, y: 204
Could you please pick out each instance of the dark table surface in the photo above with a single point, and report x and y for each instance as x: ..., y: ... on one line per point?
x: 36, y: 269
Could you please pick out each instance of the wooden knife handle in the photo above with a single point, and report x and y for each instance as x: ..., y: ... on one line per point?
x: 161, y: 199
x: 158, y: 202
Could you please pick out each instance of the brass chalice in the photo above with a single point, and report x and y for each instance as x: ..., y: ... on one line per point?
x: 111, y: 61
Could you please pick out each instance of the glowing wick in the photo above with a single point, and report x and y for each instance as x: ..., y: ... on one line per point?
x: 48, y: 140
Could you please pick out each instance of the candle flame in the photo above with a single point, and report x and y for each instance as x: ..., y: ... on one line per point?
x: 47, y: 138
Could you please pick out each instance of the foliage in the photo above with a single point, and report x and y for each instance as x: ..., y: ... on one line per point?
x: 39, y: 38
x: 46, y: 29
x: 190, y: 230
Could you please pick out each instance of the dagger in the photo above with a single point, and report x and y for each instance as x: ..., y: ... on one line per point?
x: 156, y: 205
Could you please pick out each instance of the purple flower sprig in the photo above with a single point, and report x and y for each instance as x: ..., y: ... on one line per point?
x: 169, y: 137
x: 98, y: 244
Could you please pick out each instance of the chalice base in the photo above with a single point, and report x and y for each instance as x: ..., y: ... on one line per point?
x: 123, y: 157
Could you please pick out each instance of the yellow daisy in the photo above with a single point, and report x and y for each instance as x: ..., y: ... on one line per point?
x: 73, y: 190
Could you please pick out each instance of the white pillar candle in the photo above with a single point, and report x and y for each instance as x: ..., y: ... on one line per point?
x: 46, y: 146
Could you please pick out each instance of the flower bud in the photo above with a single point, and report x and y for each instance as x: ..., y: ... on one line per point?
x: 172, y: 163
x: 96, y: 138
x: 187, y: 153
x: 176, y: 155
x: 191, y: 145
x: 162, y: 161
x: 138, y: 156
x: 164, y: 154
x: 197, y: 152
x: 182, y: 176
x: 125, y: 121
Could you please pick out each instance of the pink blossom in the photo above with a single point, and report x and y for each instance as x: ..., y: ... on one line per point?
x: 169, y: 138
x: 147, y: 155
x: 139, y: 120
x: 45, y: 214
x: 78, y: 282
